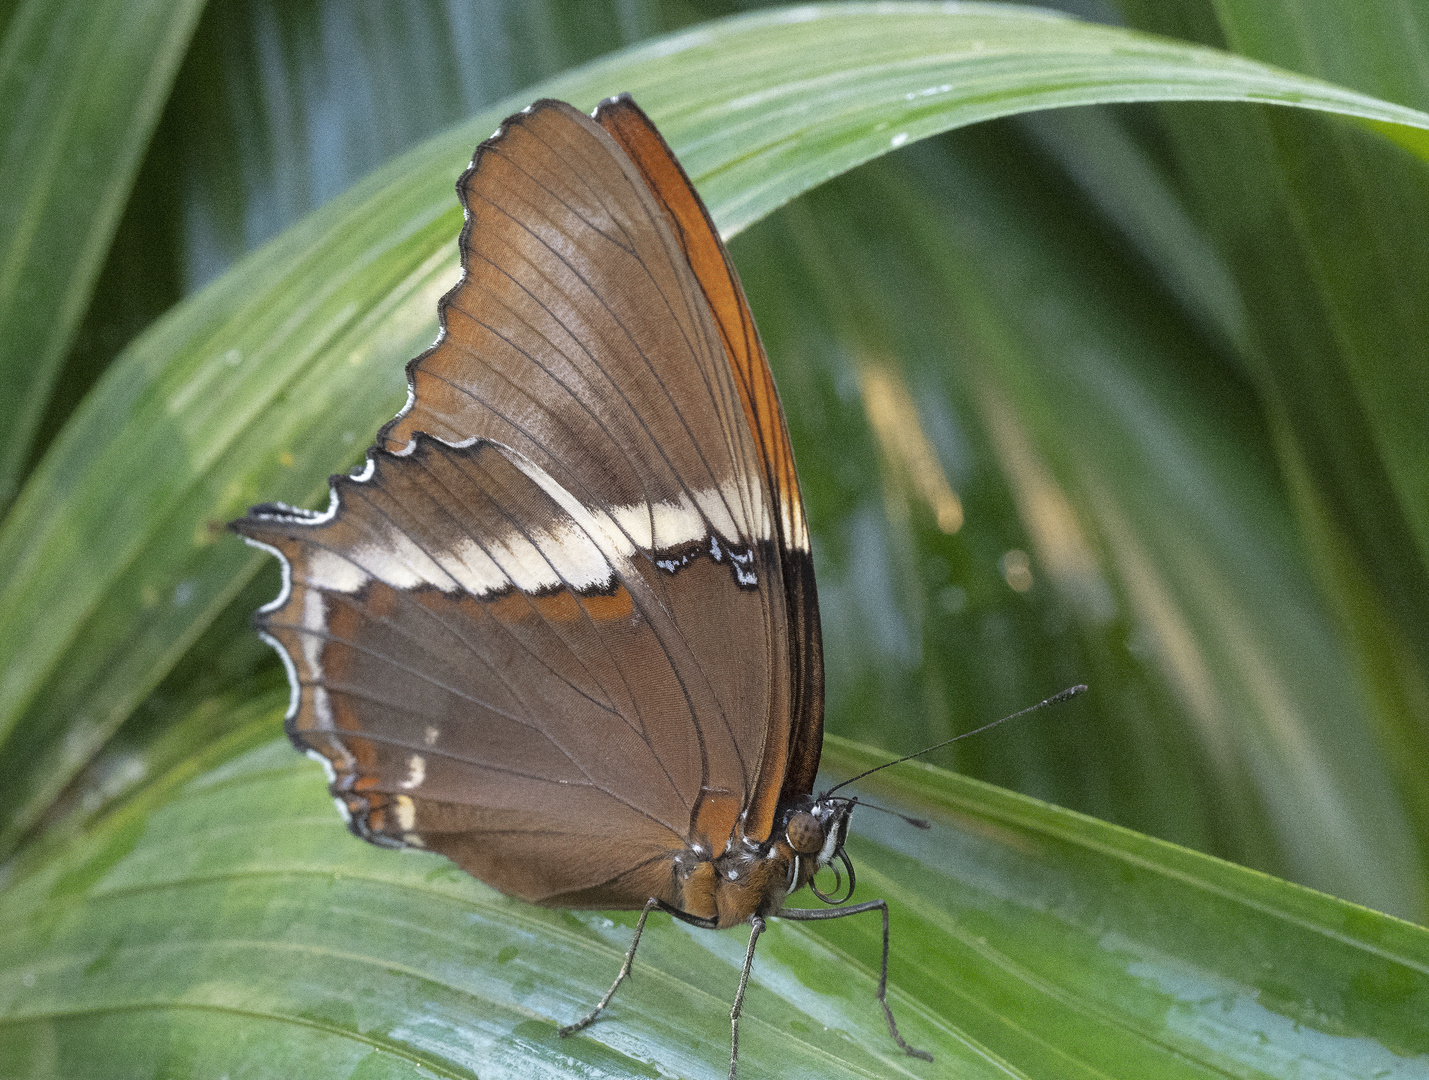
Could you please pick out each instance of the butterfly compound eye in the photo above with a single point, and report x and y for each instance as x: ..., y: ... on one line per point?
x: 805, y: 834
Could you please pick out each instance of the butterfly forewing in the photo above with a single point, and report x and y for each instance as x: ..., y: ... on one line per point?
x: 552, y: 631
x: 580, y: 337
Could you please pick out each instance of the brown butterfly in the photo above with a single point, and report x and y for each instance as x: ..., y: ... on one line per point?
x: 562, y: 626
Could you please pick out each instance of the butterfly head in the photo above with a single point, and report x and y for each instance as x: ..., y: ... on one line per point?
x: 816, y: 832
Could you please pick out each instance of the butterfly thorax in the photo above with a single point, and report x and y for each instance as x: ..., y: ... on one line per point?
x: 750, y: 878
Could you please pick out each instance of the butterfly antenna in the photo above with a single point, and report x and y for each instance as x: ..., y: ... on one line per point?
x: 1055, y: 699
x: 916, y: 822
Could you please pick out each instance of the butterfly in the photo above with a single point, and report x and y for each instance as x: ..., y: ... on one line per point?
x: 562, y: 626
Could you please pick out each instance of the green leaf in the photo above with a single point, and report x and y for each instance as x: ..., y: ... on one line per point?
x: 1146, y: 492
x: 1323, y: 229
x: 242, y: 393
x: 81, y: 88
x: 230, y: 923
x: 276, y: 108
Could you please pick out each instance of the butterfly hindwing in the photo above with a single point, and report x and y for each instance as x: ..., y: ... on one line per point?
x: 477, y: 661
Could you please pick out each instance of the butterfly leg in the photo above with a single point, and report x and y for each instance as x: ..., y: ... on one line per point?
x: 589, y: 1018
x: 650, y: 905
x: 757, y: 927
x: 815, y: 914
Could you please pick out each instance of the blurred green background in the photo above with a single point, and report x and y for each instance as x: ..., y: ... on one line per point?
x: 1131, y: 395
